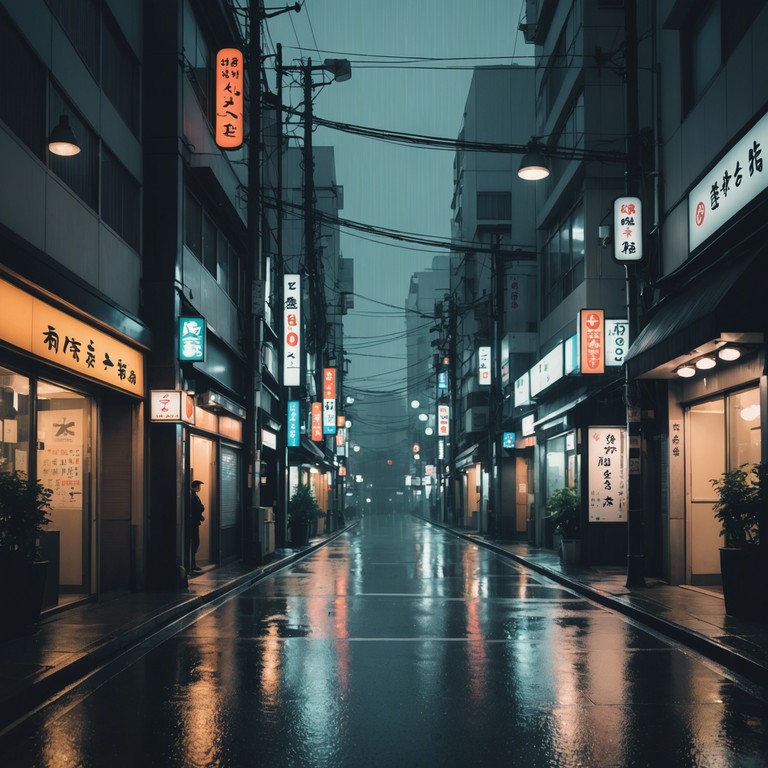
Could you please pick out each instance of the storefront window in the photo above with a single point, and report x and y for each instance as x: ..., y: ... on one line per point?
x: 744, y: 428
x: 14, y: 422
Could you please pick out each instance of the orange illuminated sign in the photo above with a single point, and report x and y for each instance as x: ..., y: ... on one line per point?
x: 229, y: 98
x: 592, y: 340
x: 317, y: 422
x: 61, y: 339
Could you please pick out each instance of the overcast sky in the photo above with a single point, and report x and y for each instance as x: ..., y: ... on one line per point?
x: 386, y: 185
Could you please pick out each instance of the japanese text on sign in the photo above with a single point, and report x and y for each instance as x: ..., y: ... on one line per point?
x: 229, y: 98
x: 291, y: 330
x: 592, y: 340
x: 627, y: 229
x: 731, y: 184
x: 192, y: 339
x: 607, y: 474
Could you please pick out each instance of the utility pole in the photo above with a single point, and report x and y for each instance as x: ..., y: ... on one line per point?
x: 254, y: 271
x: 495, y: 411
x: 635, y: 556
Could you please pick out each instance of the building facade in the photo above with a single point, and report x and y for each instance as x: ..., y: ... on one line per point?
x: 74, y: 348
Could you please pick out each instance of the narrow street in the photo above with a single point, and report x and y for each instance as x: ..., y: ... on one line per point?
x: 399, y: 644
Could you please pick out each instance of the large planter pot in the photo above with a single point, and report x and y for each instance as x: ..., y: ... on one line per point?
x: 571, y: 551
x: 557, y: 544
x: 22, y: 586
x: 300, y: 533
x: 744, y: 582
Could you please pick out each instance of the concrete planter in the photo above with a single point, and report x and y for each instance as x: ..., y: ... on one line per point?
x: 571, y: 551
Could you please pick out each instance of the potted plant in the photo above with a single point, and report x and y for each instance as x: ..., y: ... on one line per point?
x: 302, y: 510
x: 24, y: 506
x: 563, y: 506
x: 741, y: 495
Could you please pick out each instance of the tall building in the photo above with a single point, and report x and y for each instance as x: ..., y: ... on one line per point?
x: 492, y: 301
x: 425, y: 359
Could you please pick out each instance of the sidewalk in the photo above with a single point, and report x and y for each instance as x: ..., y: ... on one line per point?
x: 65, y: 645
x: 68, y: 644
x: 693, y: 617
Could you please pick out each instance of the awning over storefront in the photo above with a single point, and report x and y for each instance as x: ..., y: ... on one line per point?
x: 724, y: 304
x: 467, y: 457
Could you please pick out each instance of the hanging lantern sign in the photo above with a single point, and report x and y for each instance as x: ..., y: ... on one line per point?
x: 229, y: 98
x: 627, y: 229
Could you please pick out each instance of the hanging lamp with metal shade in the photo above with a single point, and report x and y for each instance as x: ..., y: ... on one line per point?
x: 62, y: 140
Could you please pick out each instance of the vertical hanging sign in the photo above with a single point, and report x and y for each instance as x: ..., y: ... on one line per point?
x: 294, y: 424
x: 592, y: 340
x: 192, y: 339
x: 627, y: 229
x: 607, y: 474
x: 317, y: 422
x: 484, y: 366
x: 443, y: 421
x: 291, y: 330
x: 329, y: 401
x: 229, y: 98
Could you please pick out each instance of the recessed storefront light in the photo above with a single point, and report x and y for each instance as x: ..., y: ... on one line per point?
x: 729, y: 353
x: 686, y: 371
x: 706, y: 363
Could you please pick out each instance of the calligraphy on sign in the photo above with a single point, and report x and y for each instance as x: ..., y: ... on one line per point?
x: 192, y: 339
x: 484, y: 366
x: 57, y: 337
x: 731, y: 184
x: 291, y: 330
x: 317, y: 422
x: 443, y: 420
x: 229, y: 98
x: 592, y: 341
x: 627, y: 229
x: 294, y: 424
x: 607, y: 474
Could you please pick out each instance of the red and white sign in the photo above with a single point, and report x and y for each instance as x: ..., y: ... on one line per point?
x: 291, y: 330
x: 627, y: 229
x: 317, y: 422
x: 484, y: 366
x: 731, y: 184
x: 592, y: 341
x: 443, y: 420
x: 229, y: 98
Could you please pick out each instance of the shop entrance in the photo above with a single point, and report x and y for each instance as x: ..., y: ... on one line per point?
x: 722, y: 434
x: 64, y: 465
x: 202, y: 461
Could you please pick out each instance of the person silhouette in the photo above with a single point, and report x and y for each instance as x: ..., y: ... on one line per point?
x: 195, y: 519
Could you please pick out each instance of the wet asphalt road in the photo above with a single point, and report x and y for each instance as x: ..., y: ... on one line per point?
x: 401, y: 645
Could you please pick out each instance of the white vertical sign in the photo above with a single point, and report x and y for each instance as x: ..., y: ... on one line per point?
x: 292, y: 330
x: 484, y: 366
x: 443, y: 421
x: 607, y: 474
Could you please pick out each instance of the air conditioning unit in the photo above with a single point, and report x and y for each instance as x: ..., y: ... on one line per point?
x: 477, y: 419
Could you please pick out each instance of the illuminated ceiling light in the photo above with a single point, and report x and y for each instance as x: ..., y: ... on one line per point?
x: 415, y: 403
x: 751, y: 412
x: 62, y: 140
x: 706, y: 363
x: 729, y: 353
x: 423, y: 417
x: 686, y: 371
x: 533, y: 166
